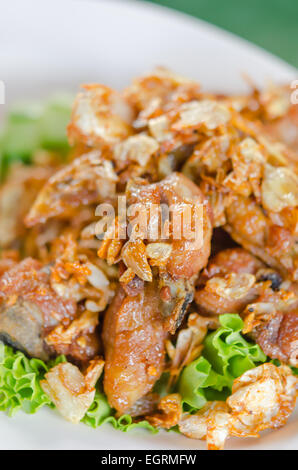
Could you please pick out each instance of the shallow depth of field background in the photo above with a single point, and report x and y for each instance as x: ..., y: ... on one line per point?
x: 271, y: 24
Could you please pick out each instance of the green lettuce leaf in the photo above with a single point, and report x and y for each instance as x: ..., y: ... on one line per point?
x: 32, y: 126
x: 100, y: 413
x: 54, y: 121
x: 198, y: 378
x: 20, y: 381
x: 20, y: 390
x: 226, y: 356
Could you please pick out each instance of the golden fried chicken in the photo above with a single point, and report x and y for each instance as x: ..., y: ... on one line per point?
x: 134, y: 337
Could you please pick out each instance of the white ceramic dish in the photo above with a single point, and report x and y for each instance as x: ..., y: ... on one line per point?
x: 50, y: 45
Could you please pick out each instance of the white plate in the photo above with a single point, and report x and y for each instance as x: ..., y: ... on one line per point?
x: 53, y: 45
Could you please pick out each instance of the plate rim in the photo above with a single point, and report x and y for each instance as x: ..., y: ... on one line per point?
x: 205, y: 26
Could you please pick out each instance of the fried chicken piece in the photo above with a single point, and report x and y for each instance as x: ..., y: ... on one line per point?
x: 277, y: 112
x: 227, y: 294
x: 137, y: 149
x: 284, y: 129
x: 250, y: 182
x: 278, y: 337
x: 80, y: 340
x: 133, y: 337
x: 29, y: 307
x: 274, y: 243
x: 89, y: 179
x: 188, y: 254
x: 262, y: 398
x: 42, y: 319
x: 232, y: 260
x: 100, y: 117
x: 179, y: 259
x: 227, y: 285
x: 16, y: 197
x: 247, y: 178
x: 75, y: 274
x: 210, y: 423
x: 237, y: 282
x: 169, y: 411
x: 70, y: 390
x: 143, y: 406
x: 9, y: 258
x: 151, y: 93
x: 169, y: 229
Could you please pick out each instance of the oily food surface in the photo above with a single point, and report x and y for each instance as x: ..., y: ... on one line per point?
x: 82, y: 274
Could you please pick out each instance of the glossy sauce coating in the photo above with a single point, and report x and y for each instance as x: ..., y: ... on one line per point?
x: 133, y: 338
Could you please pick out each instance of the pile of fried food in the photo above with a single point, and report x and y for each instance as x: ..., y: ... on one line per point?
x: 133, y: 308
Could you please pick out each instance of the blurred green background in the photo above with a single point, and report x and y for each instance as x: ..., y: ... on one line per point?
x: 271, y: 24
